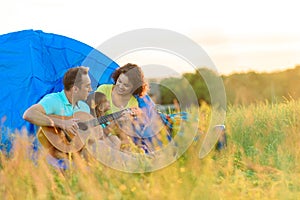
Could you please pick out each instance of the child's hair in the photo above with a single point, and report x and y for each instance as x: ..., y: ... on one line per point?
x: 95, y: 100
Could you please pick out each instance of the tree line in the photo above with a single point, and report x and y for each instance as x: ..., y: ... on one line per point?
x: 240, y: 88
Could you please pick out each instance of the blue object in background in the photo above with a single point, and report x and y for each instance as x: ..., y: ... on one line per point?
x: 32, y: 64
x: 222, y: 140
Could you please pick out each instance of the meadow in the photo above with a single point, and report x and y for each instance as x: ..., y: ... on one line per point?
x: 261, y: 161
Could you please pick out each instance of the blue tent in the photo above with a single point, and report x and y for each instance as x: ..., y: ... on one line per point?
x: 32, y: 64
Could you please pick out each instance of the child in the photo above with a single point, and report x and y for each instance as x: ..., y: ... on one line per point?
x: 113, y: 134
x: 98, y: 104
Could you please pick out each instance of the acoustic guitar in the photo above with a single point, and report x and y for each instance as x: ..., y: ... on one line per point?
x: 70, y: 143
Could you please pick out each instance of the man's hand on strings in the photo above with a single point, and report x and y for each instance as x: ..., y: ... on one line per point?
x: 70, y: 125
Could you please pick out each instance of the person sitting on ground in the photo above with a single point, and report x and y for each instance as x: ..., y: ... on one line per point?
x: 113, y: 135
x: 77, y: 86
x: 127, y: 92
x: 98, y: 104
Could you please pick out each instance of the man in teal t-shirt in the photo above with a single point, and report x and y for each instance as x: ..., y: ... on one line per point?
x: 77, y: 86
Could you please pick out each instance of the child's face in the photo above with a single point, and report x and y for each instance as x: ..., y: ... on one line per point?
x: 105, y: 106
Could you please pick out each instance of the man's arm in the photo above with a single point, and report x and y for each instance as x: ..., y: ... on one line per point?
x: 37, y: 115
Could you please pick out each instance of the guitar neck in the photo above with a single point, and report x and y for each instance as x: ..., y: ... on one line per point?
x: 106, y: 118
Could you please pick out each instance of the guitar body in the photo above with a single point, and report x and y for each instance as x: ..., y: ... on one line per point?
x: 72, y: 143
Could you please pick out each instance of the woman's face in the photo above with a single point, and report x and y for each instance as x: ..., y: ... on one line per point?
x: 123, y: 85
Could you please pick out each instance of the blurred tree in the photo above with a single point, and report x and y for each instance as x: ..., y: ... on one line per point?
x: 241, y: 88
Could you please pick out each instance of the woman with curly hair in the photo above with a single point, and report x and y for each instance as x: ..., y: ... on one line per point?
x: 145, y: 128
x: 129, y: 84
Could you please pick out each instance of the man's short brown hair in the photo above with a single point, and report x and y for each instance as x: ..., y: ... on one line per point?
x: 74, y: 77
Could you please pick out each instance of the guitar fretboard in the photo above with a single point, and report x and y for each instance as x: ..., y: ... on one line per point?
x: 105, y: 119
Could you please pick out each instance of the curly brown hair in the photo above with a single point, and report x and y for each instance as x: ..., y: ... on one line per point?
x: 135, y: 76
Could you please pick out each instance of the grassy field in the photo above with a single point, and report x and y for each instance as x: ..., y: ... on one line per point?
x: 261, y: 161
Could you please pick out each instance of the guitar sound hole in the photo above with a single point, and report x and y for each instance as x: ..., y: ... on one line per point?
x: 82, y: 126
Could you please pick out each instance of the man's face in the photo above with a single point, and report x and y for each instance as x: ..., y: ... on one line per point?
x: 84, y: 89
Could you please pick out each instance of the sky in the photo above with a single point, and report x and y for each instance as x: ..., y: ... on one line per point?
x: 238, y: 36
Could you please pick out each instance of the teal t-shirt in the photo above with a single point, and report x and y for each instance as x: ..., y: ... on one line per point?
x: 58, y: 104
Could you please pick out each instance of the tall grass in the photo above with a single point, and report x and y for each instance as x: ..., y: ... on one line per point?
x: 261, y: 161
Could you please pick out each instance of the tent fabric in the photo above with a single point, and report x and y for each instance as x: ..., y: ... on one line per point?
x: 32, y: 64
